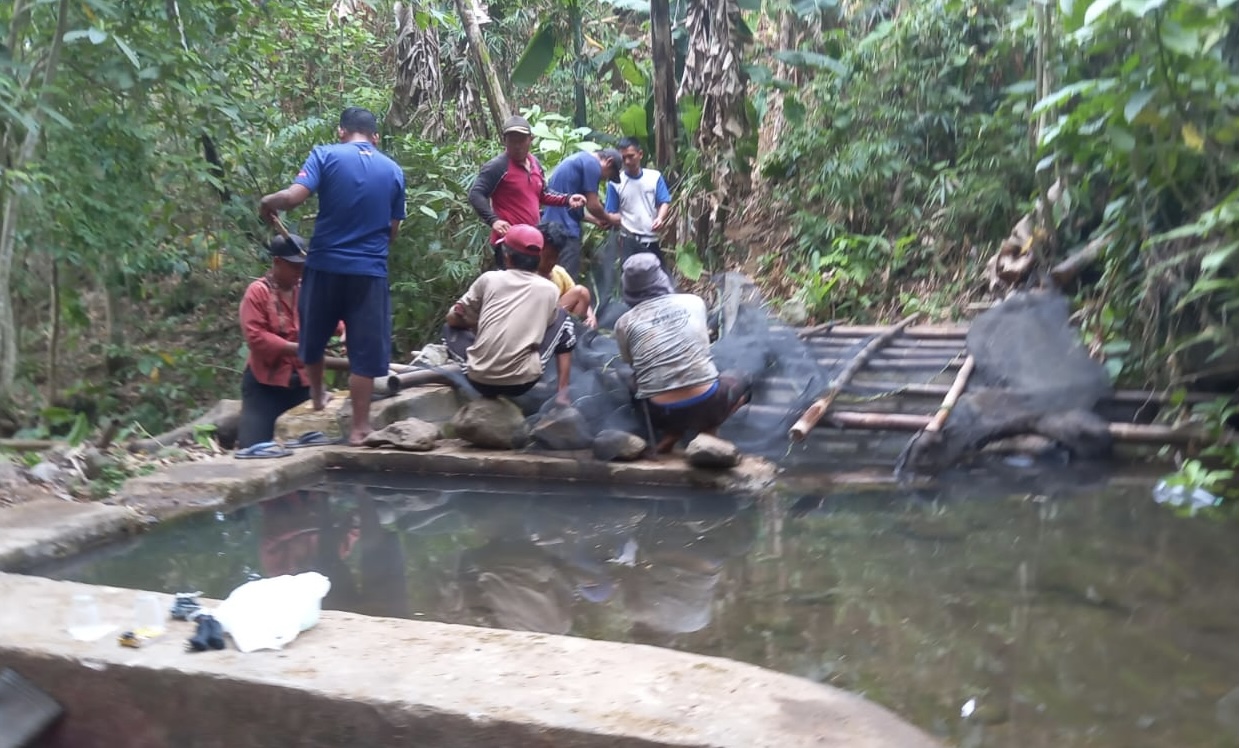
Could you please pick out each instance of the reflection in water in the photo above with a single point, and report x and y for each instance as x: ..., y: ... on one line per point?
x: 1071, y: 618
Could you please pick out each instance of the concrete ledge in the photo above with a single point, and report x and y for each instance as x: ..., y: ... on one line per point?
x: 454, y: 457
x: 187, y: 487
x: 358, y: 681
x: 44, y: 530
x: 226, y: 481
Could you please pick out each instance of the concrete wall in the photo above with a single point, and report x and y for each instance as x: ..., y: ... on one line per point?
x: 358, y: 681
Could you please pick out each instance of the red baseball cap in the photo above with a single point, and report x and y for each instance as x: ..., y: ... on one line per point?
x: 524, y: 239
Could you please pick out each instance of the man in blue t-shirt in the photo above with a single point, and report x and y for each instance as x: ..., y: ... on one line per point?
x: 360, y: 207
x: 579, y: 174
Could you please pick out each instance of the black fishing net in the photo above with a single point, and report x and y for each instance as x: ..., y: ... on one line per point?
x: 784, y: 372
x: 1032, y: 376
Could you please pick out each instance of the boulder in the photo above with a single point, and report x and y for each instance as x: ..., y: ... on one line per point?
x: 618, y: 446
x: 490, y: 424
x: 335, y: 420
x: 563, y: 428
x: 10, y: 475
x: 46, y: 472
x: 411, y: 434
x: 707, y: 451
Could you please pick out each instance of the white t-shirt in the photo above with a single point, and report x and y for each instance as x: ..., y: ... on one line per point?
x: 636, y: 199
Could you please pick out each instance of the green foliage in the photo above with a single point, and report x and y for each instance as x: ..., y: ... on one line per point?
x: 901, y: 155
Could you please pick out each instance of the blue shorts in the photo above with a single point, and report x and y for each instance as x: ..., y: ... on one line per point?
x: 362, y: 303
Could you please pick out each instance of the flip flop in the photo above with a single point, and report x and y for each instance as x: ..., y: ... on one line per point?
x: 261, y: 451
x: 311, y: 439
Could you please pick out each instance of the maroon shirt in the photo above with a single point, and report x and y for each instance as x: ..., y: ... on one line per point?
x: 512, y: 191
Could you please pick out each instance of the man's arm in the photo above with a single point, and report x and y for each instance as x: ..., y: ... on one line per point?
x: 464, y: 313
x: 284, y: 200
x: 295, y: 194
x: 597, y: 212
x: 662, y: 198
x: 484, y: 186
x: 398, y: 208
x: 612, y: 207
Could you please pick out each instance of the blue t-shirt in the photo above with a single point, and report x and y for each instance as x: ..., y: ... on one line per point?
x: 360, y: 192
x: 577, y: 174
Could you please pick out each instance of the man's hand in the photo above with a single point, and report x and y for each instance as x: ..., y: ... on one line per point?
x: 501, y: 227
x: 590, y: 320
x: 657, y: 224
x: 576, y: 201
x: 563, y: 399
x: 267, y: 208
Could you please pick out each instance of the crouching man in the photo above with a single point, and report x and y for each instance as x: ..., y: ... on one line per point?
x: 665, y: 337
x: 509, y: 324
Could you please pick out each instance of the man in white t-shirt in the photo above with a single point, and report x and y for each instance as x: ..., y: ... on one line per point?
x: 638, y: 205
x: 666, y: 339
x: 508, y: 325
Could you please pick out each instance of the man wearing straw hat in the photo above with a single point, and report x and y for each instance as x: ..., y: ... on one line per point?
x: 361, y: 198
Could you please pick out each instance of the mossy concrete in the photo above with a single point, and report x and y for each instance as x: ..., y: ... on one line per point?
x: 47, y: 529
x: 359, y: 681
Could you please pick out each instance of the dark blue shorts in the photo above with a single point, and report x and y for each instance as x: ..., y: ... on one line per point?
x: 362, y: 303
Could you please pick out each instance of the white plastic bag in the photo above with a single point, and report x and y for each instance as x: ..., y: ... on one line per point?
x: 269, y: 613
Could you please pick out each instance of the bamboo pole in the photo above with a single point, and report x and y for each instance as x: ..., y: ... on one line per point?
x: 1132, y: 433
x: 801, y: 428
x: 30, y: 445
x: 921, y: 331
x: 952, y: 395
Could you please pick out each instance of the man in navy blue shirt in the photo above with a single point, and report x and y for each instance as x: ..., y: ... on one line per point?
x: 360, y: 207
x: 579, y: 174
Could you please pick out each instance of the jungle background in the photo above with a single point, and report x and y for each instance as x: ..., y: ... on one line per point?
x: 862, y: 159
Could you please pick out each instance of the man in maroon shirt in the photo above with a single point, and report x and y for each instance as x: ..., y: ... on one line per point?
x: 511, y: 188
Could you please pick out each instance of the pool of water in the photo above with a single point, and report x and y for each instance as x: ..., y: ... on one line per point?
x: 1072, y: 613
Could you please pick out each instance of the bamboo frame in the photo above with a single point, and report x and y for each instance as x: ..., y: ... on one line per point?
x: 802, y: 427
x: 952, y: 395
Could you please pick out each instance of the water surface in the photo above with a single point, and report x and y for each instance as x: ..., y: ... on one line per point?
x: 1068, y: 613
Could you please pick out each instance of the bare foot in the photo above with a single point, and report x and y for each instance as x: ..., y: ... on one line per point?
x: 357, y: 437
x: 321, y: 400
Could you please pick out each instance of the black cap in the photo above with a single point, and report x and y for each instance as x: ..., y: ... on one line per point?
x: 517, y: 124
x: 291, y: 249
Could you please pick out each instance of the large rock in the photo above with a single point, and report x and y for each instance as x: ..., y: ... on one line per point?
x: 491, y: 424
x: 707, y: 451
x: 334, y: 420
x: 411, y: 434
x: 563, y: 428
x: 618, y: 446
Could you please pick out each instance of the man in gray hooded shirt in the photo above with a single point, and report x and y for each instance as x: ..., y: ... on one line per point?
x: 665, y: 337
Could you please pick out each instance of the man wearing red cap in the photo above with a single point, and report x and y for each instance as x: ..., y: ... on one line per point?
x: 508, y: 324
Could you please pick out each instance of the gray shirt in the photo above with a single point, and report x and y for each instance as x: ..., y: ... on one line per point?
x: 667, y: 341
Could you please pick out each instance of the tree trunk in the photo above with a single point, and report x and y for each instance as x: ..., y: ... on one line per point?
x: 491, y: 86
x: 12, y: 203
x: 666, y: 116
x: 419, y: 77
x: 53, y: 343
x: 580, y: 116
x: 712, y: 77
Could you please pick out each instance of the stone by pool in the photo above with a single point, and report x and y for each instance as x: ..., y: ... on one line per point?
x: 1069, y: 614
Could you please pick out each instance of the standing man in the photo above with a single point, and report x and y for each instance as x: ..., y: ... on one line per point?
x: 638, y: 205
x: 511, y: 188
x: 580, y: 173
x: 360, y: 207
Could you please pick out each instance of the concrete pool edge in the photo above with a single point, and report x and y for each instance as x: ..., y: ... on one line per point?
x: 224, y: 481
x: 380, y: 681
